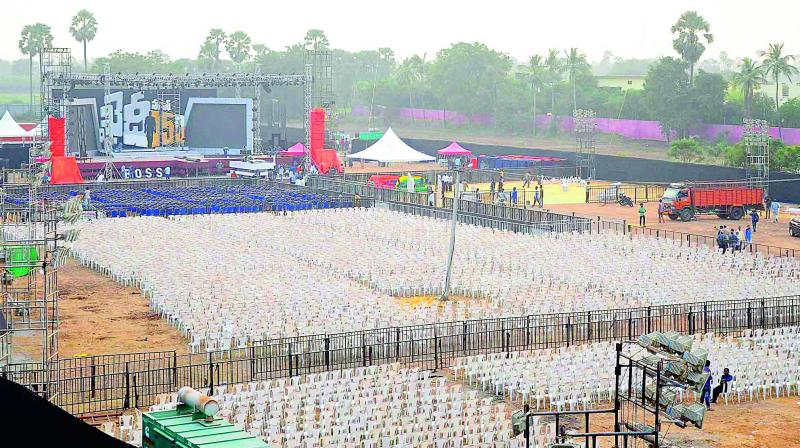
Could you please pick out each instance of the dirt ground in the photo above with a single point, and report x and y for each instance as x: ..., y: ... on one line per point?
x: 759, y: 424
x: 775, y: 234
x: 100, y: 316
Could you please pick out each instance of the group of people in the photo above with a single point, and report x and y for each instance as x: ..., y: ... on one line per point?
x: 733, y: 239
x: 710, y: 395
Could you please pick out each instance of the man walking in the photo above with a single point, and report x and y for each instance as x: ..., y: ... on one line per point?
x: 526, y: 181
x: 776, y: 210
x: 541, y: 195
x: 661, y: 208
x: 705, y: 397
x: 514, y: 196
x: 754, y: 219
x: 536, y: 196
x: 767, y: 205
x: 642, y: 213
x: 748, y: 235
x: 492, y: 186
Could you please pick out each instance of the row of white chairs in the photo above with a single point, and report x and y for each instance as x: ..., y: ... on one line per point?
x: 340, y: 270
x: 764, y: 364
x: 380, y: 406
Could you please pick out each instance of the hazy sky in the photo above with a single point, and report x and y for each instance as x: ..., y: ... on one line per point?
x: 626, y: 27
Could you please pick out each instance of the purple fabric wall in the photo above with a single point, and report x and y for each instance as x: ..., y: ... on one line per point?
x: 631, y: 129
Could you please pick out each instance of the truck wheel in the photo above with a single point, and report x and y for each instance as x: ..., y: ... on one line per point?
x: 686, y: 215
x: 673, y: 217
x: 736, y: 213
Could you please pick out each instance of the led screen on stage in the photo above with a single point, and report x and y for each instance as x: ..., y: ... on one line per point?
x: 216, y: 123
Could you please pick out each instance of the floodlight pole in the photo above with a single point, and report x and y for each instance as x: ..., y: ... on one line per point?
x: 456, y: 199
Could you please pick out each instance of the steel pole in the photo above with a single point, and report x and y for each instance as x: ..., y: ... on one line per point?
x: 456, y: 199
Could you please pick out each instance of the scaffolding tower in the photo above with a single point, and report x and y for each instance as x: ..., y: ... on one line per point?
x: 319, y: 86
x: 756, y: 141
x: 644, y: 403
x: 169, y: 126
x: 55, y: 63
x: 586, y: 144
x: 31, y: 253
x: 258, y: 144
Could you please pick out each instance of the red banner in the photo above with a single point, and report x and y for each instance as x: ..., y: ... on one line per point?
x: 55, y: 128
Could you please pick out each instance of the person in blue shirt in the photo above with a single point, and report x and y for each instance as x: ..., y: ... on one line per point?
x: 514, y: 195
x: 723, y: 384
x: 705, y: 397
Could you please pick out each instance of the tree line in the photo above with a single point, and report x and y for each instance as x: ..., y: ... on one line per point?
x: 474, y: 79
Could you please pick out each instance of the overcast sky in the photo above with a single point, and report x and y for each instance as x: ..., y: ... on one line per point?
x: 628, y: 28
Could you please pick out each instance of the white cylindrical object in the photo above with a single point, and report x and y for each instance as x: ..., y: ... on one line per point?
x: 201, y: 403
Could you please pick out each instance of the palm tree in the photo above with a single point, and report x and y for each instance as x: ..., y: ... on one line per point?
x: 83, y: 29
x: 748, y: 78
x: 555, y: 68
x: 573, y: 63
x: 238, y: 46
x: 536, y: 72
x: 688, y: 43
x: 410, y: 74
x: 778, y: 65
x: 315, y: 40
x: 210, y: 50
x: 32, y: 40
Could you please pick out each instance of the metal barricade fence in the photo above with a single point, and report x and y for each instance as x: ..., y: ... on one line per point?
x: 606, y: 194
x: 117, y: 382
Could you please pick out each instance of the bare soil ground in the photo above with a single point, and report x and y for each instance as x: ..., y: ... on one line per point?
x: 100, y: 316
x: 775, y: 234
x: 756, y: 424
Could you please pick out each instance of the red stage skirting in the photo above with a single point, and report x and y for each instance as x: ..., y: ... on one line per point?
x: 65, y: 171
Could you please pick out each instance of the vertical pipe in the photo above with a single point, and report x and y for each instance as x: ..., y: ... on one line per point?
x: 456, y: 200
x: 617, y: 373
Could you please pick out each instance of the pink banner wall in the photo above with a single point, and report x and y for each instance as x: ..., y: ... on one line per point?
x: 630, y: 129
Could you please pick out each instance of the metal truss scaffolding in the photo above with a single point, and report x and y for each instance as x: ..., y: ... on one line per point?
x: 56, y: 76
x: 757, y: 141
x: 647, y: 385
x: 586, y: 147
x: 31, y: 251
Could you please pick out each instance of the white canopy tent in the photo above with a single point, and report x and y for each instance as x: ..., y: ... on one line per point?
x: 391, y: 149
x: 10, y: 129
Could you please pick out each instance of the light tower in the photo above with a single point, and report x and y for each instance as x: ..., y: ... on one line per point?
x: 756, y: 142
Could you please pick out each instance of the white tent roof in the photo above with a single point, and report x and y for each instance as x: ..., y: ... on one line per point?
x: 10, y: 128
x: 391, y: 149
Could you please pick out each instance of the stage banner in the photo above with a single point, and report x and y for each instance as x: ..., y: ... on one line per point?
x: 55, y: 128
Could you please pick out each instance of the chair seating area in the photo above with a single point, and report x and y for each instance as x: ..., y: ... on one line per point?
x: 330, y: 271
x: 195, y: 200
x: 378, y: 406
x: 764, y: 363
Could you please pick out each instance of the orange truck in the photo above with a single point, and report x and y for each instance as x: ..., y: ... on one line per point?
x: 684, y: 202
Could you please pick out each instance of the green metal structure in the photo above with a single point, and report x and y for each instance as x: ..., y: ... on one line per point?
x: 184, y: 428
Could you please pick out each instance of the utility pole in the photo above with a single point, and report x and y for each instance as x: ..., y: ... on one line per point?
x: 456, y: 199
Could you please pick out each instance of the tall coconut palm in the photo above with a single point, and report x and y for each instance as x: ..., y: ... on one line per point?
x: 315, y: 40
x: 555, y: 68
x: 83, y: 29
x: 688, y: 43
x: 777, y: 65
x: 32, y: 40
x: 211, y: 50
x: 748, y: 78
x: 536, y: 72
x: 574, y: 63
x: 238, y: 46
x: 410, y: 75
